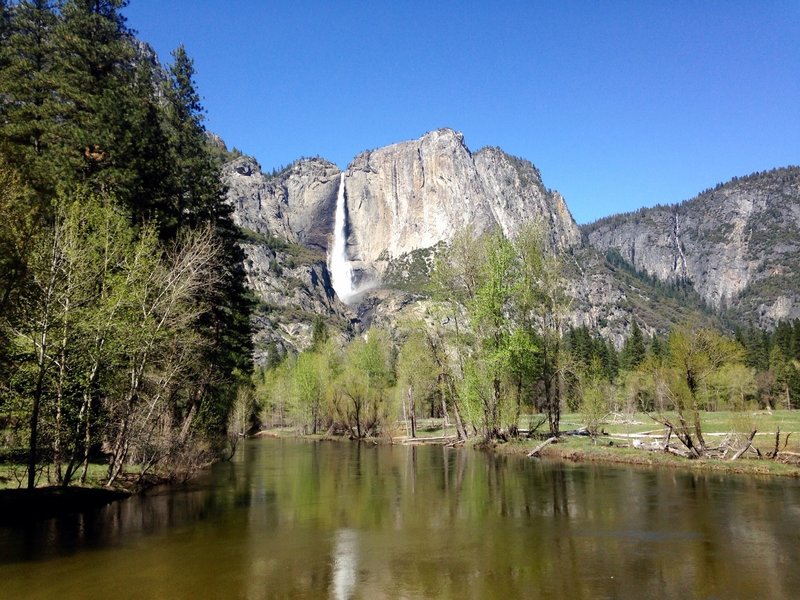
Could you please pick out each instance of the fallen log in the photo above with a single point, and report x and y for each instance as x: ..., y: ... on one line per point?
x: 582, y: 431
x: 444, y: 439
x: 676, y: 452
x: 535, y: 452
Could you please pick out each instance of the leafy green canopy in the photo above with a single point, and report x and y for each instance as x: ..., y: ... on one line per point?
x: 88, y: 116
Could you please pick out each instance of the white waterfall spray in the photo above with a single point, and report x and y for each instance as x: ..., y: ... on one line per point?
x: 341, y: 269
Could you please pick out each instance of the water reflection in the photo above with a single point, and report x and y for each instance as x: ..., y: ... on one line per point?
x: 294, y: 519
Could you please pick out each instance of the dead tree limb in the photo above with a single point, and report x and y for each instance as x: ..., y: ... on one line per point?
x: 746, y: 446
x: 774, y: 453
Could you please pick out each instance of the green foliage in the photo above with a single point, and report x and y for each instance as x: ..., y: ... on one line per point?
x: 677, y: 289
x: 319, y: 333
x: 28, y: 131
x: 417, y: 374
x: 363, y: 385
x: 106, y: 343
x: 412, y: 271
x: 308, y: 389
x: 507, y: 303
x: 91, y: 145
x: 326, y: 387
x: 633, y: 351
x: 586, y: 349
x: 694, y: 361
x: 595, y: 394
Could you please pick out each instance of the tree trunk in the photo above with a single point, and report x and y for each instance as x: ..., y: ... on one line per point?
x: 62, y: 375
x: 32, y: 453
x: 777, y: 443
x: 492, y: 429
x: 460, y: 430
x: 412, y: 413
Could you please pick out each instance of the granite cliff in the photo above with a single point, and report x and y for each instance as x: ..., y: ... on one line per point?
x: 737, y: 245
x: 414, y: 195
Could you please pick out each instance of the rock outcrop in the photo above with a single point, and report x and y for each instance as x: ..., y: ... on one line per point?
x: 286, y: 219
x: 295, y: 205
x: 416, y: 194
x: 403, y: 199
x: 738, y: 244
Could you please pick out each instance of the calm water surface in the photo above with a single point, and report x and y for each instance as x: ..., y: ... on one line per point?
x: 294, y: 519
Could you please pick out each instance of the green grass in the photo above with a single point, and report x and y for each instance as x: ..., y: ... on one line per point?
x: 714, y: 424
x: 581, y: 449
x: 617, y: 446
x: 15, y: 475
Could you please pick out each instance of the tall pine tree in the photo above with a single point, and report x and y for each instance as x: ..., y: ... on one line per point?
x: 198, y: 200
x: 95, y: 63
x: 28, y: 103
x: 633, y: 351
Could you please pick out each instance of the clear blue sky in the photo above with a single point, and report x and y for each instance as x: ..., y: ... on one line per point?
x: 619, y: 104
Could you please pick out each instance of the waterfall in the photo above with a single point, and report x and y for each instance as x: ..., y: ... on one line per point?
x: 341, y: 269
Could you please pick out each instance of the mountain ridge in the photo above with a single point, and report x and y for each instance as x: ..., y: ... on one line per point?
x: 406, y: 199
x: 728, y: 242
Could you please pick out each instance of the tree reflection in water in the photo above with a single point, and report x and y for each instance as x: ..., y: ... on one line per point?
x: 314, y: 519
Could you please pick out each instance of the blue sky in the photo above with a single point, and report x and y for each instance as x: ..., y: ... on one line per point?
x: 619, y: 104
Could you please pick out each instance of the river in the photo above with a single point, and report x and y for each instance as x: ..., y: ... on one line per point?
x: 301, y: 519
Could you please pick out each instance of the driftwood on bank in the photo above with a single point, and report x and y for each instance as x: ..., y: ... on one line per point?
x: 444, y: 439
x: 582, y: 431
x: 774, y: 455
x: 535, y: 452
x: 746, y: 446
x: 677, y: 452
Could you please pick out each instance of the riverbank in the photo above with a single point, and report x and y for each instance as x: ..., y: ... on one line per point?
x: 19, y: 504
x: 580, y: 449
x: 628, y: 440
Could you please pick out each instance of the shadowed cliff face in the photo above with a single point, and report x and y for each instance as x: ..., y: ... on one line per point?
x: 738, y: 244
x: 296, y: 205
x: 286, y: 220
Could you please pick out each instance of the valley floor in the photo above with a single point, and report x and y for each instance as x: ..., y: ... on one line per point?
x: 636, y: 439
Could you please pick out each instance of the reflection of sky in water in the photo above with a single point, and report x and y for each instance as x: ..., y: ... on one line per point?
x: 345, y: 562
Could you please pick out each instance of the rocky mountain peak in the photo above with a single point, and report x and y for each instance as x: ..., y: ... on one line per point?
x: 737, y: 245
x: 417, y: 194
x: 399, y: 199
